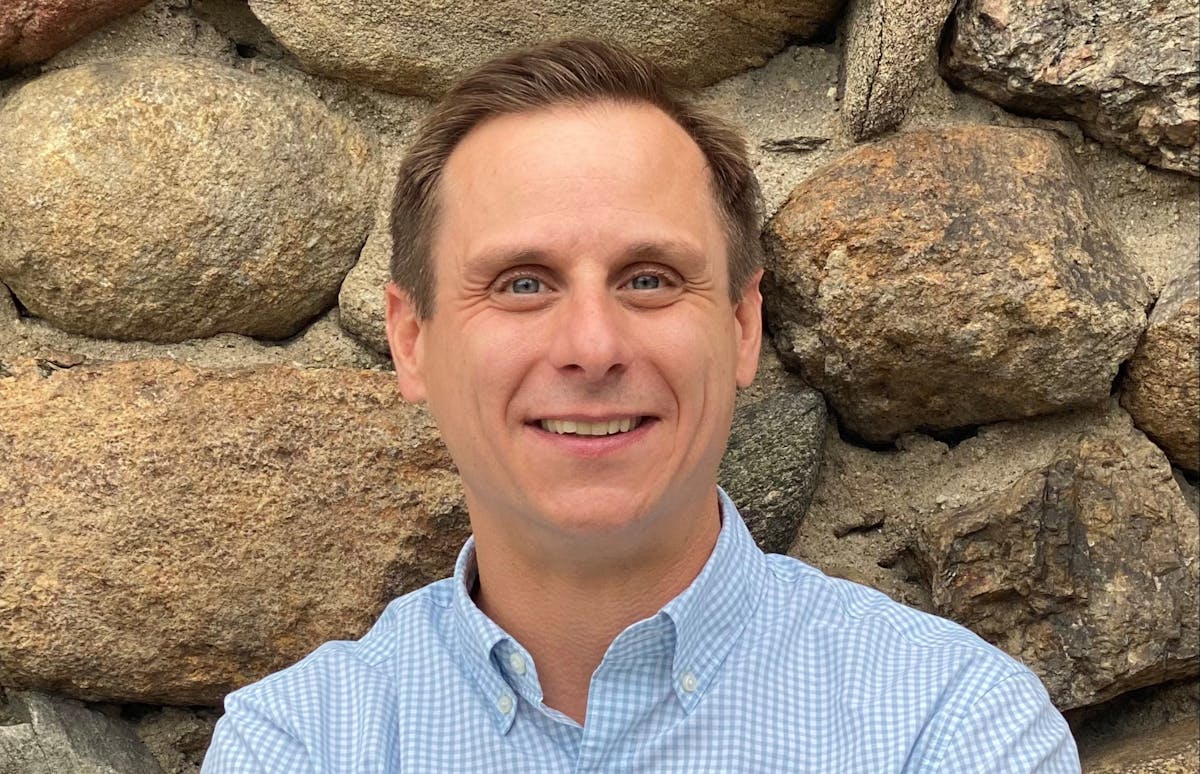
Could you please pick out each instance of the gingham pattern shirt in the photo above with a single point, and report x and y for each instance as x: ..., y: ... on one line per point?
x: 763, y: 664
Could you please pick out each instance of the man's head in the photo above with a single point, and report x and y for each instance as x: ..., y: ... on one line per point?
x: 581, y: 340
x: 570, y: 72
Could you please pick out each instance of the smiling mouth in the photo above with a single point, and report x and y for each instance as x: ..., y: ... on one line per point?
x: 569, y: 427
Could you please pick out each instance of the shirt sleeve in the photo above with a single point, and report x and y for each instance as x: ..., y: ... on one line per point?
x: 247, y: 741
x: 1012, y: 729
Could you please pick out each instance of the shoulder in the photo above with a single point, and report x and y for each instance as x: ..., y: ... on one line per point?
x: 409, y: 624
x: 956, y: 697
x: 849, y: 612
x: 355, y: 686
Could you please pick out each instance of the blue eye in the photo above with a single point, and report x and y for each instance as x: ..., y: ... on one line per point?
x: 525, y: 285
x: 646, y: 282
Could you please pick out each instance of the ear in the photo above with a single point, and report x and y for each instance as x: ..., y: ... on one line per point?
x: 748, y: 325
x: 404, y: 333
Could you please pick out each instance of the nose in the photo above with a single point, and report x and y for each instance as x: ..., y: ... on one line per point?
x: 590, y: 338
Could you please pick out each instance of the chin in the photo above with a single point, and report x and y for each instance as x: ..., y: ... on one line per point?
x: 595, y: 513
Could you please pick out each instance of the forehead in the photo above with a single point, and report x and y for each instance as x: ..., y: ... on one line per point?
x: 575, y: 167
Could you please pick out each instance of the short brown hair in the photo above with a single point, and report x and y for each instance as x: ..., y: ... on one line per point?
x: 571, y: 71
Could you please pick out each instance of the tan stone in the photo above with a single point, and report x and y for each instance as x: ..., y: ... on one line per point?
x: 361, y: 298
x: 415, y: 47
x: 1162, y: 386
x: 172, y: 533
x: 1063, y: 540
x: 1171, y: 750
x: 166, y: 199
x: 942, y: 279
x: 1126, y: 70
x: 34, y: 30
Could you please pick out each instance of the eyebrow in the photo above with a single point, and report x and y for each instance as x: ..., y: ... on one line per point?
x: 669, y: 249
x: 648, y: 250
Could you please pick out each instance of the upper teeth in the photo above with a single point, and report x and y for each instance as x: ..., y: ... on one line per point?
x: 590, y: 428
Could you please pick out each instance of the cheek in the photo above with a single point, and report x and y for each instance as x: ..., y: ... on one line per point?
x: 483, y: 364
x: 698, y: 352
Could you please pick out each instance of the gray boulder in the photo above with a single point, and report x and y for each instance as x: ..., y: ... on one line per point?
x: 1126, y: 70
x: 890, y: 46
x: 41, y: 734
x: 771, y: 465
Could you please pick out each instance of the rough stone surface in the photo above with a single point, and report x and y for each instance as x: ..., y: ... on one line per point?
x: 1171, y: 750
x: 252, y: 200
x: 323, y: 344
x: 173, y: 533
x: 1155, y: 213
x: 361, y: 299
x: 1092, y: 550
x: 178, y: 737
x: 166, y: 28
x: 942, y: 279
x: 890, y: 48
x: 1162, y: 385
x: 1127, y: 70
x: 48, y: 735
x: 1138, y: 714
x: 417, y: 48
x: 8, y: 310
x: 773, y: 459
x: 1132, y: 590
x: 34, y: 30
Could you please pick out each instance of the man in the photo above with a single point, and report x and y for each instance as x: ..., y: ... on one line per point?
x: 576, y: 299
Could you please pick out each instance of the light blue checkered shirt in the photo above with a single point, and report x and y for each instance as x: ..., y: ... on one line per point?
x: 762, y: 664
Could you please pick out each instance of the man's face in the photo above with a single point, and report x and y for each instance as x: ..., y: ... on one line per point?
x: 582, y: 357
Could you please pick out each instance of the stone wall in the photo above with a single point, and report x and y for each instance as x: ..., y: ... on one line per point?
x: 980, y: 394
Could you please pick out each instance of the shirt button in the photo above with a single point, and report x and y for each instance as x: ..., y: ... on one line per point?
x: 517, y: 663
x: 504, y: 703
x: 688, y: 682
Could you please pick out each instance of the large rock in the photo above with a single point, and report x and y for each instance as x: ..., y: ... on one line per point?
x: 47, y: 735
x: 1064, y: 540
x: 949, y: 278
x: 1125, y: 69
x: 35, y: 30
x: 166, y: 199
x: 1161, y: 389
x: 889, y: 45
x: 771, y: 465
x: 415, y: 47
x: 1092, y: 550
x: 172, y: 533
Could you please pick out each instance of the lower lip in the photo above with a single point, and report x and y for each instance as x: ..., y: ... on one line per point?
x: 593, y: 445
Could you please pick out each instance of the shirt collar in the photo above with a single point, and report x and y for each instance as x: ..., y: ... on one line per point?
x: 710, y: 614
x: 707, y: 618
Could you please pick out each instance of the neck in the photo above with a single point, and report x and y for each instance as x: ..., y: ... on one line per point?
x: 566, y: 615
